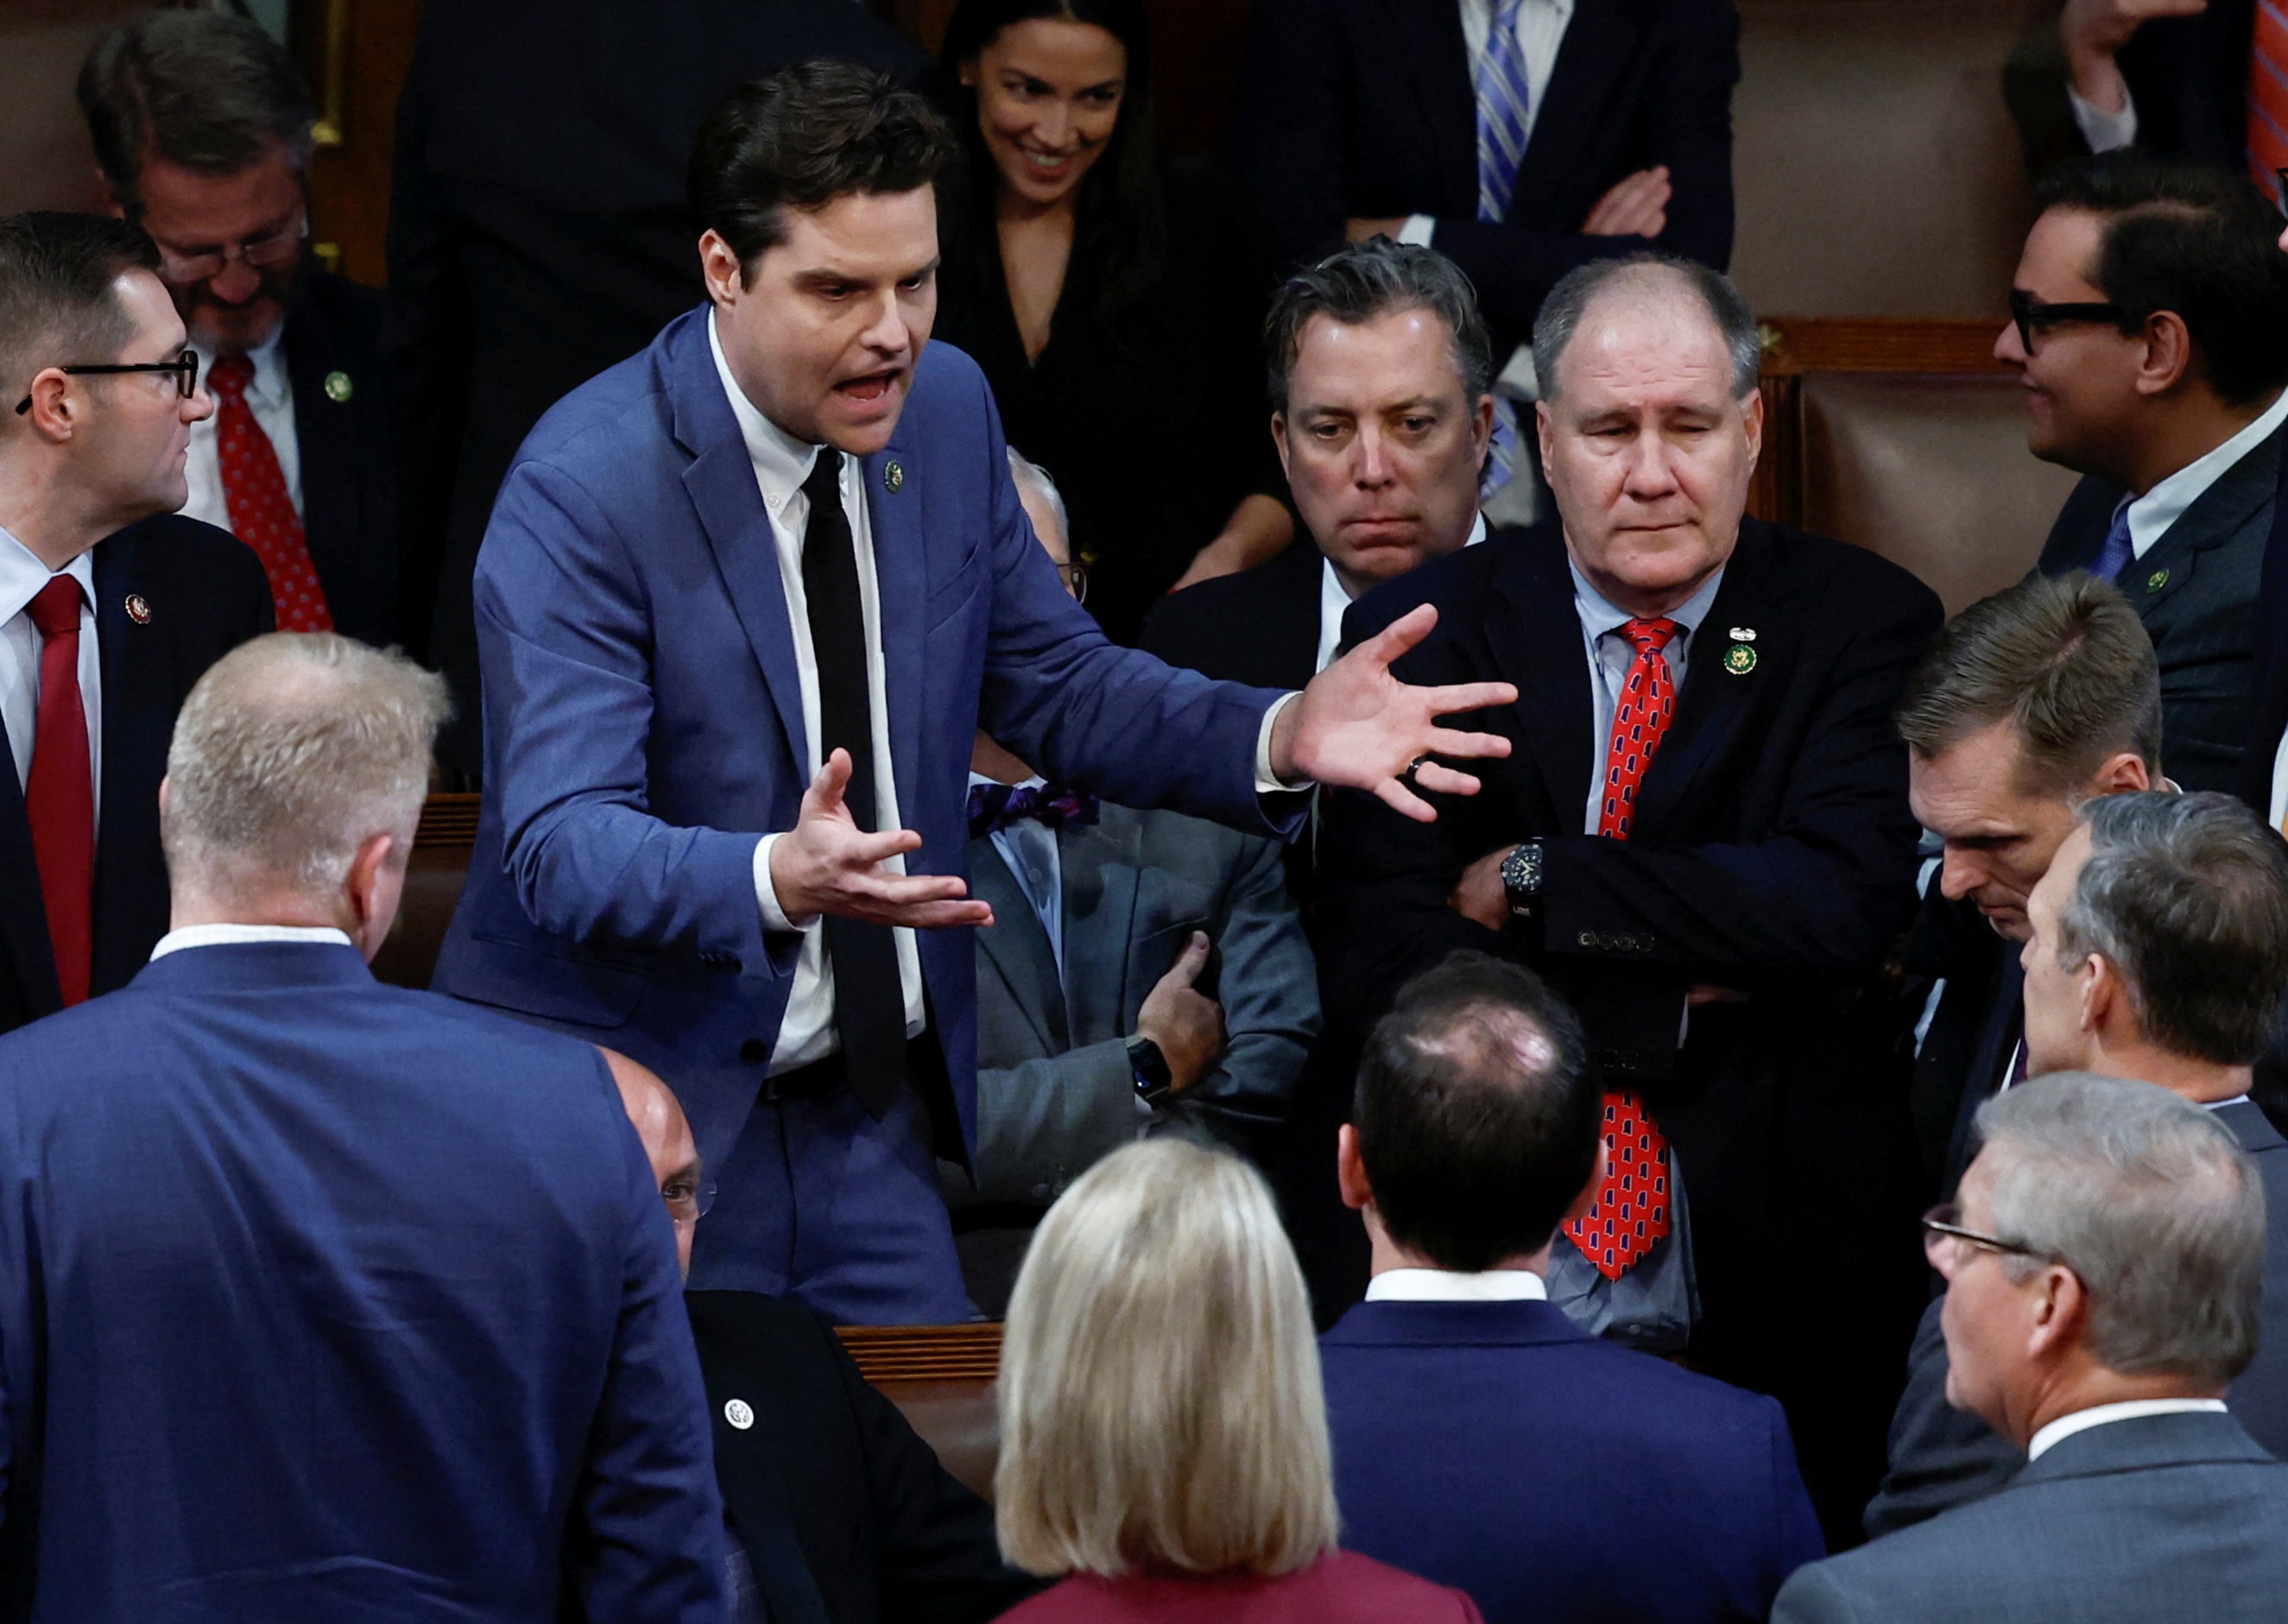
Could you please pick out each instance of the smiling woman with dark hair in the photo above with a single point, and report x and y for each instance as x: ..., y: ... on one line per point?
x: 1114, y: 299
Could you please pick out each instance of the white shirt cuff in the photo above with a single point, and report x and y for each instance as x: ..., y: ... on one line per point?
x: 2105, y: 131
x: 1416, y: 232
x: 767, y: 895
x: 1266, y: 782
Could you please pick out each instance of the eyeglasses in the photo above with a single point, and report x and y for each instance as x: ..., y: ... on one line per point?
x: 1076, y: 579
x: 185, y: 367
x: 273, y: 251
x: 1942, y: 1227
x: 688, y: 1200
x: 2032, y: 315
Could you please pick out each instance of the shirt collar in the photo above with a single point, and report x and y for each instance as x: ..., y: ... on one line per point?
x: 22, y: 574
x: 1034, y: 783
x: 1444, y: 1285
x: 1598, y: 616
x: 268, y: 386
x: 781, y: 462
x: 239, y: 936
x: 2098, y: 1416
x: 1333, y: 599
x: 2151, y: 514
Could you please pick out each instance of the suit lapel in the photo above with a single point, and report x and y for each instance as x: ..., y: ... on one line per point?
x: 1018, y: 948
x: 139, y: 720
x: 1099, y: 861
x: 1597, y: 46
x: 1716, y: 699
x: 23, y: 915
x: 721, y: 483
x: 2153, y: 581
x: 323, y: 434
x: 1429, y: 33
x: 901, y: 580
x: 1535, y: 636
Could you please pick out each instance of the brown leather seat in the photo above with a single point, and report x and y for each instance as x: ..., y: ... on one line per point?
x: 1931, y: 472
x: 432, y: 891
x: 959, y: 1421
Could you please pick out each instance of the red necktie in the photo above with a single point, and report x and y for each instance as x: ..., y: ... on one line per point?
x: 2267, y: 97
x: 59, y: 792
x: 1632, y: 1210
x: 261, y: 509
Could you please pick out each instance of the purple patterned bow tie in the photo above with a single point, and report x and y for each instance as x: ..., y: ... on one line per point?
x: 1055, y: 806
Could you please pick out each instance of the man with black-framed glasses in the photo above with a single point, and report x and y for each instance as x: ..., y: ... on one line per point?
x: 2149, y: 325
x: 201, y: 130
x: 110, y: 606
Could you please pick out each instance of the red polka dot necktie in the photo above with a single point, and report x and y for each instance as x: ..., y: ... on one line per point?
x: 261, y: 509
x: 60, y: 790
x: 1632, y: 1210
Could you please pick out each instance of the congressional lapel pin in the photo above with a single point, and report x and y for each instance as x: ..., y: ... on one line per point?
x: 339, y: 387
x: 1743, y: 634
x: 1740, y: 658
x: 2156, y: 581
x: 739, y: 1414
x: 894, y: 476
x: 138, y: 611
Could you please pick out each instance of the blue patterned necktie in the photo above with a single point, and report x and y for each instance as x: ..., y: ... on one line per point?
x: 1502, y: 100
x: 2113, y: 557
x: 997, y: 805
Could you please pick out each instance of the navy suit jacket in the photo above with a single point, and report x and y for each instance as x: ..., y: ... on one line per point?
x: 321, y: 1299
x: 1495, y: 1447
x: 341, y: 430
x: 204, y: 593
x: 643, y: 716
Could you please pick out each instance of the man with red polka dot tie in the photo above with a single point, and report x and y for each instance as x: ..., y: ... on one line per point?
x: 1700, y: 839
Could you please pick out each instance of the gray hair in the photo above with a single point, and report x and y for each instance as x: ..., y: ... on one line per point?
x: 202, y: 89
x: 1648, y: 276
x: 2187, y: 897
x: 291, y: 751
x: 2152, y: 1203
x: 1373, y: 279
x: 1025, y: 471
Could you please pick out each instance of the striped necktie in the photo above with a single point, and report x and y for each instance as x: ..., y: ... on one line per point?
x: 2267, y: 97
x: 1503, y: 129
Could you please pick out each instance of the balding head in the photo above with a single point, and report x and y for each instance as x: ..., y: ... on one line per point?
x: 668, y: 1145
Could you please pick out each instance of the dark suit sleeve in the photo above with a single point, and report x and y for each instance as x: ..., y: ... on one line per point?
x: 939, y: 1561
x: 1814, y: 1596
x: 647, y: 1528
x: 1269, y: 991
x: 1941, y: 1457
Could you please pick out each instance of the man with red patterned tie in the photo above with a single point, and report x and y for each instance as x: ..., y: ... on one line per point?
x: 202, y: 131
x: 1701, y: 837
x: 2200, y: 79
x: 108, y: 613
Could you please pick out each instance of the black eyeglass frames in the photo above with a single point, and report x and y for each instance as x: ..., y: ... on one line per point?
x: 1943, y: 1225
x: 2032, y: 315
x: 185, y: 367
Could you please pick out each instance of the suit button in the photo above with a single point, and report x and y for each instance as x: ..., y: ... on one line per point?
x: 1587, y: 939
x: 1644, y: 945
x: 754, y: 1051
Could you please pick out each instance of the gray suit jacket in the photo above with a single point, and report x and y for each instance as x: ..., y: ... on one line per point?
x: 2166, y: 1516
x: 1054, y: 1092
x: 1941, y: 1456
x: 2196, y: 590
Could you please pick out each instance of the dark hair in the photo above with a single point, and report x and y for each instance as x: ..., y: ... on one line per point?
x: 1477, y: 1145
x: 2186, y: 238
x: 206, y: 90
x: 1561, y: 312
x: 57, y: 305
x: 2064, y: 660
x: 1121, y: 220
x: 800, y: 139
x: 1370, y: 280
x: 2186, y: 896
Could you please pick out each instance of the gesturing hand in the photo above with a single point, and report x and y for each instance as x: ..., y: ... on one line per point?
x: 827, y: 864
x: 1185, y: 1022
x: 1637, y: 206
x: 2094, y: 31
x: 1358, y: 726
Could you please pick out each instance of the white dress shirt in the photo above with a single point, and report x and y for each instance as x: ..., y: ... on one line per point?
x: 782, y: 464
x: 2105, y: 131
x: 270, y: 396
x: 1445, y: 1285
x: 22, y: 575
x: 239, y: 935
x: 2151, y: 514
x: 1333, y: 599
x: 1610, y: 655
x: 2098, y: 1416
x: 1029, y: 847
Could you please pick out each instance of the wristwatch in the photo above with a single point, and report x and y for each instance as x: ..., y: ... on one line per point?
x: 1521, y: 873
x: 1149, y: 1067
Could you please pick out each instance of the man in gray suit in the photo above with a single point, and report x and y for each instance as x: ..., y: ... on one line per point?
x: 2104, y: 1273
x: 2158, y: 951
x: 1146, y: 973
x: 2150, y: 322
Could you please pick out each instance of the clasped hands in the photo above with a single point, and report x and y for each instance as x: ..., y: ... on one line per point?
x: 1355, y: 726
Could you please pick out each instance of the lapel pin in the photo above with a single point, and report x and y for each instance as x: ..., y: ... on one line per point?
x: 739, y: 1414
x: 893, y: 475
x: 1743, y: 634
x: 2156, y: 581
x: 339, y: 387
x: 138, y: 611
x: 1740, y: 658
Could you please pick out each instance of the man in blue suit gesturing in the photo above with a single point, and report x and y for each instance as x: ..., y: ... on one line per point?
x: 744, y: 601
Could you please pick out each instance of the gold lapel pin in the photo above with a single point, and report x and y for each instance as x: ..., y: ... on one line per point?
x: 1740, y: 658
x: 138, y: 611
x: 1743, y: 634
x: 893, y: 475
x: 339, y: 387
x: 2156, y: 581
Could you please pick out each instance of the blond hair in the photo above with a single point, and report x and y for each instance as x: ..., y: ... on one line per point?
x: 1160, y: 1399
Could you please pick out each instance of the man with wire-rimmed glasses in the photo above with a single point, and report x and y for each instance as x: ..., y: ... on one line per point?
x: 110, y: 607
x: 202, y: 131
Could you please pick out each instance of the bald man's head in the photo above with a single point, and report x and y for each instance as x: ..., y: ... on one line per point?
x: 668, y: 1145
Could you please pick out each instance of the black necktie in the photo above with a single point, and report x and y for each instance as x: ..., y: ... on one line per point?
x: 870, y: 1004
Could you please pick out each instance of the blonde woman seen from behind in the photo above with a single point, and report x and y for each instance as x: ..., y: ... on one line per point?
x: 1163, y: 1438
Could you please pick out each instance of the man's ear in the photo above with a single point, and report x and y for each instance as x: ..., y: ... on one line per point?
x: 1279, y: 438
x: 2123, y: 774
x: 1482, y: 427
x: 1545, y: 435
x: 1350, y: 1171
x: 113, y: 205
x: 1599, y: 1170
x: 2102, y: 993
x: 2168, y: 353
x: 720, y: 268
x: 2061, y: 1310
x: 1751, y: 414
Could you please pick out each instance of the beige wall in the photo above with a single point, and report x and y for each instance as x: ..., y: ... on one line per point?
x: 44, y: 161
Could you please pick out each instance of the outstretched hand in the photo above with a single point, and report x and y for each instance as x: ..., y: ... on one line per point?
x: 827, y: 864
x: 1358, y: 726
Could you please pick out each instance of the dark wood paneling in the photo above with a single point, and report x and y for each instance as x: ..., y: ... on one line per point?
x: 356, y: 54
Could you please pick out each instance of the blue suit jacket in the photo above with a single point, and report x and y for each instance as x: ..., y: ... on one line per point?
x: 321, y: 1299
x: 1494, y: 1447
x: 643, y: 718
